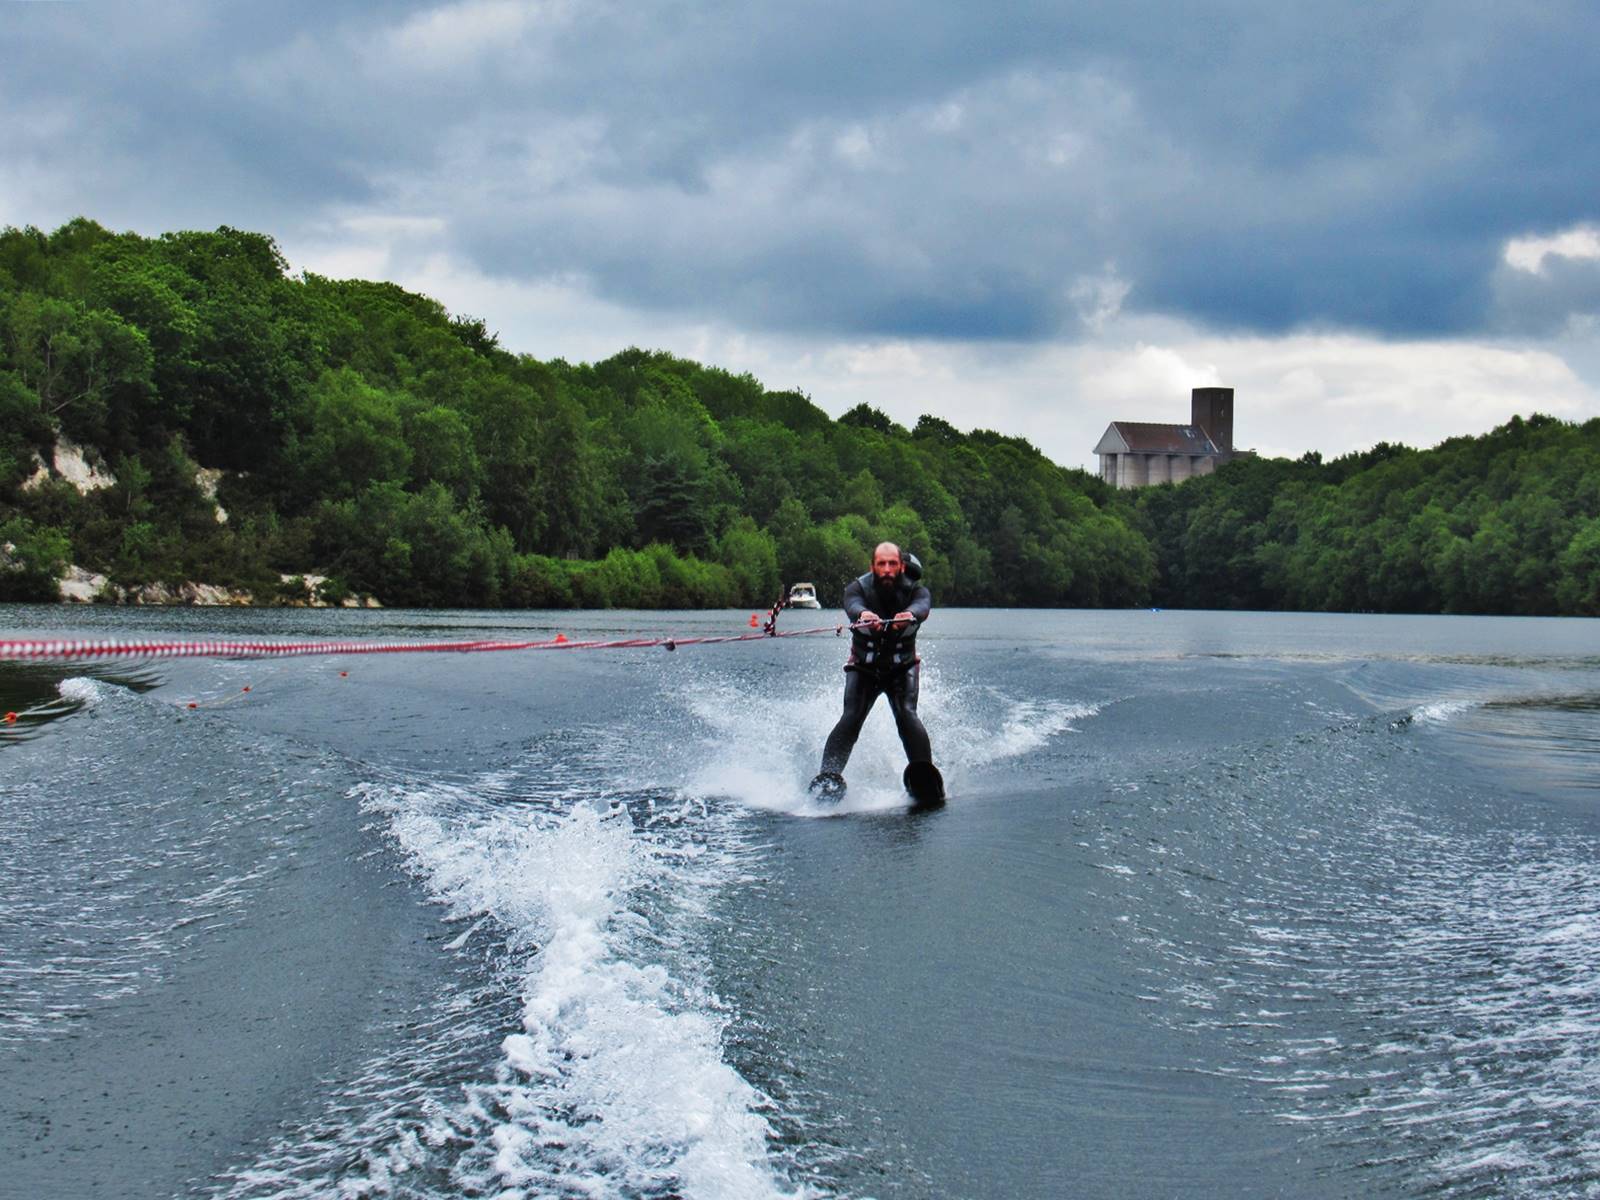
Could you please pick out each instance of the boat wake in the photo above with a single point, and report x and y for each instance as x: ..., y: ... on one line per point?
x: 590, y: 901
x: 614, y: 1083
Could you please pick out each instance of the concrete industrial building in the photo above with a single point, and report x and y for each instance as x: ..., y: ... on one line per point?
x: 1138, y: 453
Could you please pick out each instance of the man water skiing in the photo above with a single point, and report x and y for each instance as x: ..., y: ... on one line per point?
x: 887, y: 608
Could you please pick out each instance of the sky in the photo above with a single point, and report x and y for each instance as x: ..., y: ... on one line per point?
x: 1375, y: 221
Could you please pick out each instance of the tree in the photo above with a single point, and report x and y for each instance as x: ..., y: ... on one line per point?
x: 442, y: 451
x: 1578, y: 588
x: 75, y: 360
x: 864, y: 416
x: 751, y: 556
x: 351, y: 436
x: 33, y: 559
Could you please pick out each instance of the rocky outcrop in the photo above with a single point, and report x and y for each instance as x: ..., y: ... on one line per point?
x: 212, y: 595
x: 78, y: 586
x: 308, y: 591
x: 303, y: 591
x: 206, y: 479
x: 74, y: 465
x: 208, y: 595
x: 71, y: 462
x: 40, y: 476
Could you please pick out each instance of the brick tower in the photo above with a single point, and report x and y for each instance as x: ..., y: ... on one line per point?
x: 1211, y: 408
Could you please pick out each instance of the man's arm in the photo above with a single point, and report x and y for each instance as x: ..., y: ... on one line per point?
x: 917, y: 609
x: 855, y: 603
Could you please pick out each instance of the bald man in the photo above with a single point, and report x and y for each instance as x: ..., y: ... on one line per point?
x: 887, y: 609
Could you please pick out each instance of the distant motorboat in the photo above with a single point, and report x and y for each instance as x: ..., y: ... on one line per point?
x: 803, y: 595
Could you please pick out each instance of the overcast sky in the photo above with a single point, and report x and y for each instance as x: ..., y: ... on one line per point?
x: 1375, y: 221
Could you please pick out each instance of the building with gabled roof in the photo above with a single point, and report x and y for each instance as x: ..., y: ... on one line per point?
x: 1137, y: 453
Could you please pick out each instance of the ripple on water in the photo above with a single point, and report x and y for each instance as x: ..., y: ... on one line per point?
x: 116, y: 857
x: 1401, y: 961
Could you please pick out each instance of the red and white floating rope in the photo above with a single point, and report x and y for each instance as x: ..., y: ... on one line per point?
x: 70, y: 648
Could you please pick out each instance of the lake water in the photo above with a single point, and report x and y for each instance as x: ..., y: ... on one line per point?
x: 1222, y: 905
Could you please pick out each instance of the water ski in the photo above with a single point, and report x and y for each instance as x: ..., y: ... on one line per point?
x: 924, y: 784
x: 828, y: 787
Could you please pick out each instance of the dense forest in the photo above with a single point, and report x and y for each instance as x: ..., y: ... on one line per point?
x: 360, y: 432
x: 1504, y: 523
x: 363, y: 433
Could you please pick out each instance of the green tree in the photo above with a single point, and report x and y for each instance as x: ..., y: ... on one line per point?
x: 76, y: 361
x: 442, y: 452
x: 751, y: 557
x: 33, y: 559
x: 351, y: 436
x: 1578, y: 589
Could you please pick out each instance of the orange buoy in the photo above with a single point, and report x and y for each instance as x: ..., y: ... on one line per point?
x: 192, y: 704
x: 247, y: 687
x: 344, y: 674
x: 561, y: 637
x: 755, y: 622
x: 11, y: 718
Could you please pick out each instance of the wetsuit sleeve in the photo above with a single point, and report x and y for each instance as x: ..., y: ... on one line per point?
x: 921, y: 604
x: 855, y: 601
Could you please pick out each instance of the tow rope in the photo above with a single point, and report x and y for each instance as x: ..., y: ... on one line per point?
x: 68, y: 648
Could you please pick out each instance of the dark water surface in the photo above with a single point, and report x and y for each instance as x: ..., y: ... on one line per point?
x: 1226, y: 905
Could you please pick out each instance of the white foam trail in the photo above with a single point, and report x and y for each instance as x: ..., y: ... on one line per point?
x: 1440, y: 711
x: 615, y: 1085
x: 1024, y: 726
x: 784, y: 790
x: 762, y: 750
x: 81, y: 690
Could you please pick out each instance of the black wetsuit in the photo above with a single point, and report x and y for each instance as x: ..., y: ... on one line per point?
x: 884, y: 663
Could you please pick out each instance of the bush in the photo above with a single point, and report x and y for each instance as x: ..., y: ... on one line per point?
x: 33, y: 558
x: 622, y: 579
x: 536, y: 581
x: 412, y: 548
x: 1579, y: 589
x: 750, y: 556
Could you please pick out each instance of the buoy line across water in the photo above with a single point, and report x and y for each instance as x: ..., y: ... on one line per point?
x: 33, y: 649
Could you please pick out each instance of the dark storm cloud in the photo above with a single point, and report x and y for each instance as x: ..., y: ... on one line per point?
x: 905, y: 169
x: 138, y: 115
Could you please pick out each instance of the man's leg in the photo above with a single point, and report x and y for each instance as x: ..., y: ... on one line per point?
x: 902, y: 692
x: 860, y: 691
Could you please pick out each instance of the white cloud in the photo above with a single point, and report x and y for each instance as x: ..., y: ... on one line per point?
x: 363, y: 245
x: 1528, y: 253
x: 893, y: 361
x: 854, y: 146
x: 1098, y: 298
x: 453, y: 35
x: 385, y: 226
x: 1064, y: 149
x: 1342, y: 393
x: 948, y: 117
x: 35, y: 189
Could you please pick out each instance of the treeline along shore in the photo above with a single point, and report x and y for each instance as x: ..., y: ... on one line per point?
x: 180, y: 409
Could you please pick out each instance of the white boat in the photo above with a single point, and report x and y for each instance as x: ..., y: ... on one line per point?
x: 803, y: 595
